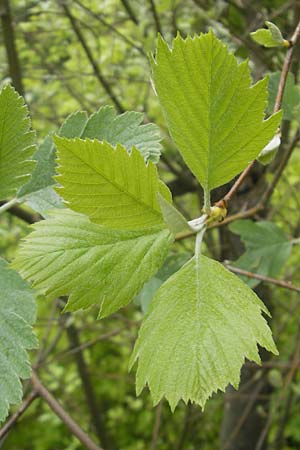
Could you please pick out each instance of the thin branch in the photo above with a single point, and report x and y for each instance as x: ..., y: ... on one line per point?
x: 257, y: 276
x: 130, y: 12
x: 63, y: 415
x: 10, y: 46
x: 286, y: 67
x: 157, y: 425
x: 22, y: 214
x: 7, y: 205
x: 111, y: 27
x: 15, y: 417
x: 95, y: 413
x: 98, y: 74
x: 155, y: 16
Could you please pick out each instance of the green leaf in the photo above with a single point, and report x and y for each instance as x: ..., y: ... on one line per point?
x: 213, y: 113
x: 201, y: 325
x: 125, y: 129
x: 291, y: 97
x: 112, y: 187
x: 271, y: 37
x: 17, y: 314
x: 267, y: 248
x: 69, y: 255
x: 16, y: 143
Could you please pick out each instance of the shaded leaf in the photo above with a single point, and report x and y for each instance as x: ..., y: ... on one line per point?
x: 267, y: 248
x: 125, y: 129
x: 17, y: 314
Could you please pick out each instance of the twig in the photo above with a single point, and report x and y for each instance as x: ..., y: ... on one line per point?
x: 91, y: 59
x: 63, y: 415
x: 286, y: 67
x: 10, y: 46
x: 15, y: 417
x: 97, y: 417
x: 155, y: 16
x: 257, y: 276
x: 156, y: 428
x: 130, y: 12
x: 21, y: 213
x: 111, y: 27
x: 7, y: 205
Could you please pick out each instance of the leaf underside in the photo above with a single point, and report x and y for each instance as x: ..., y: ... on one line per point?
x: 214, y: 115
x: 69, y: 255
x: 201, y: 325
x: 113, y: 188
x: 17, y: 314
x: 16, y: 143
x: 125, y: 129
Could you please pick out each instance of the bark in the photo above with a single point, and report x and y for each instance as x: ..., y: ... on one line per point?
x: 10, y: 46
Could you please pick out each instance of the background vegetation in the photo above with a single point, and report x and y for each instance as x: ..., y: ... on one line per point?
x: 65, y: 56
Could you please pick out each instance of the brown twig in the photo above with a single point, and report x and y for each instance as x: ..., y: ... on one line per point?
x: 10, y: 46
x: 97, y: 417
x: 63, y: 415
x: 130, y: 12
x: 155, y: 16
x: 21, y: 213
x: 257, y: 276
x: 102, y: 80
x: 15, y: 417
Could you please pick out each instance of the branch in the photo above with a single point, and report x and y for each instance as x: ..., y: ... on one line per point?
x: 90, y: 397
x: 111, y: 27
x: 130, y: 12
x: 22, y: 214
x: 155, y: 16
x: 10, y: 46
x: 257, y: 276
x: 15, y: 417
x: 63, y: 415
x: 91, y: 59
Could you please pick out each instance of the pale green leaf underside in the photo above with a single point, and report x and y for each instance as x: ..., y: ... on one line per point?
x: 16, y: 143
x: 213, y: 113
x: 69, y: 255
x: 125, y: 129
x: 113, y: 188
x: 201, y: 325
x: 17, y: 314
